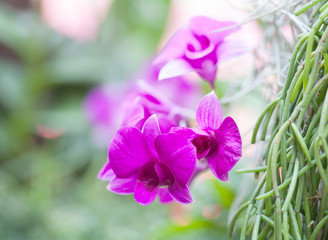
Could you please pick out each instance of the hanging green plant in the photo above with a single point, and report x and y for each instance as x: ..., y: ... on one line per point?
x: 291, y: 198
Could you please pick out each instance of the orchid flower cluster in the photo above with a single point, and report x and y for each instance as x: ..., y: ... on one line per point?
x: 158, y: 150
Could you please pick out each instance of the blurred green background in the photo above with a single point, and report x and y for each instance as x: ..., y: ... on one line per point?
x: 48, y: 164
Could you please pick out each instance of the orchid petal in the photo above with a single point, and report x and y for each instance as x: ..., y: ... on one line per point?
x: 174, y: 68
x: 187, y: 134
x: 123, y: 185
x: 164, y: 195
x: 174, y: 48
x: 180, y: 193
x: 165, y: 124
x: 228, y: 150
x: 106, y: 173
x: 208, y: 71
x: 177, y: 154
x: 128, y: 151
x: 202, y: 25
x: 144, y: 193
x: 151, y: 130
x: 231, y: 49
x: 209, y: 112
x: 147, y: 184
x: 135, y: 113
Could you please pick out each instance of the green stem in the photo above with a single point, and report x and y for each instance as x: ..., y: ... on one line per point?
x: 318, y: 228
x: 287, y: 181
x: 252, y: 170
x: 306, y: 7
x: 259, y: 121
x: 291, y: 187
x: 235, y: 217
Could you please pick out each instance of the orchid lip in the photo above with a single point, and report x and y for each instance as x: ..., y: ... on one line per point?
x: 204, y: 145
x: 199, y: 54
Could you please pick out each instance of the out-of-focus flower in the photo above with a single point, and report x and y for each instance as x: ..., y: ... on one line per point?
x: 145, y: 162
x: 197, y: 47
x: 102, y: 107
x: 172, y: 100
x: 107, y: 108
x: 47, y: 132
x: 99, y: 106
x: 78, y: 19
x: 184, y: 91
x: 217, y: 140
x: 143, y: 106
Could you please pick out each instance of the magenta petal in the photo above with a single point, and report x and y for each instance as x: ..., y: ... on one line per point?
x: 178, y: 154
x: 180, y: 193
x: 208, y: 71
x: 106, y: 173
x: 128, y: 151
x: 165, y: 124
x: 123, y: 185
x: 135, y: 113
x: 174, y: 68
x: 231, y: 49
x: 144, y: 193
x: 164, y: 195
x: 209, y: 113
x: 202, y: 25
x: 151, y: 130
x: 228, y: 152
x: 174, y: 48
x: 187, y: 133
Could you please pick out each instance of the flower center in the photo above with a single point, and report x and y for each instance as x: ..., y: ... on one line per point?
x: 155, y: 175
x: 204, y: 145
x: 199, y: 47
x: 148, y: 176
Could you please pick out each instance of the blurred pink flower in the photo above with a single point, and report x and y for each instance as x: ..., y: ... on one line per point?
x: 184, y: 91
x: 172, y: 100
x: 144, y: 162
x: 196, y: 47
x: 102, y: 108
x: 78, y: 19
x: 109, y: 107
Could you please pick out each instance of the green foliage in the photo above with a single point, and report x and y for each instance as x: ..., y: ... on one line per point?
x: 290, y: 201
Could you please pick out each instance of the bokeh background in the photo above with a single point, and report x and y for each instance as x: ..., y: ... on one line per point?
x: 52, y: 53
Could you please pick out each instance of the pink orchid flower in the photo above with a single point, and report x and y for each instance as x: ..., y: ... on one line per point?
x: 148, y: 163
x: 197, y: 47
x: 218, y: 140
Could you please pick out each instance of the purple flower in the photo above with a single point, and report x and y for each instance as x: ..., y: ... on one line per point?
x: 102, y: 110
x: 98, y: 106
x: 142, y: 106
x: 170, y: 100
x: 217, y: 140
x: 197, y: 48
x: 148, y: 163
x: 182, y: 91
